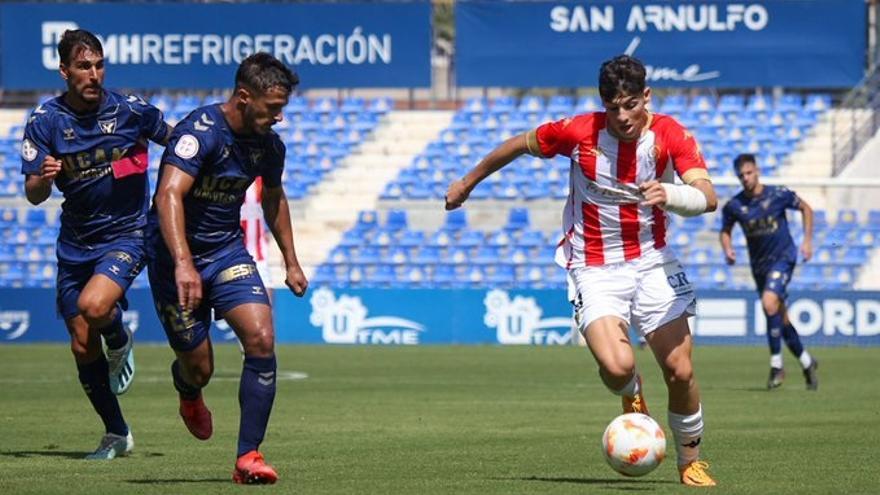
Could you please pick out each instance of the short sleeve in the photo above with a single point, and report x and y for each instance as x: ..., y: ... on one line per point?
x: 36, y: 144
x: 789, y: 198
x: 187, y: 151
x: 152, y: 121
x: 727, y: 217
x: 272, y: 174
x: 685, y: 153
x: 557, y: 138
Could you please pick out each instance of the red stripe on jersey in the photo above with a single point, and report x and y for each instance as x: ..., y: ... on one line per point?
x: 629, y: 213
x: 659, y: 228
x: 593, y: 251
x: 589, y: 148
x: 626, y: 161
x: 629, y: 230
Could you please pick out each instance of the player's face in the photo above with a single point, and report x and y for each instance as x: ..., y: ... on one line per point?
x: 748, y: 176
x: 85, y: 75
x: 262, y: 111
x: 628, y: 115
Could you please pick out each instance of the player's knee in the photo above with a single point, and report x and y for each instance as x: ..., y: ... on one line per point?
x: 680, y: 373
x: 770, y: 303
x: 616, y: 373
x: 260, y: 342
x: 199, y: 374
x: 94, y: 307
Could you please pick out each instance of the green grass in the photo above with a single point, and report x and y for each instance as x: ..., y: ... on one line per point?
x: 441, y: 420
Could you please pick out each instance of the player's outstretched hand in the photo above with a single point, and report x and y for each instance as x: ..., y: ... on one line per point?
x: 730, y: 257
x: 50, y: 168
x: 807, y: 250
x: 296, y: 281
x: 189, y: 286
x: 456, y: 195
x: 653, y: 193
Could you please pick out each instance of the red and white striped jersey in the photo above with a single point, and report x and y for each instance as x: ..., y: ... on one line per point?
x: 252, y: 221
x: 603, y: 221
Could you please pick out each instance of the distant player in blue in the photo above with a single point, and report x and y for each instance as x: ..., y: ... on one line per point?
x: 760, y: 211
x: 198, y: 260
x: 92, y: 144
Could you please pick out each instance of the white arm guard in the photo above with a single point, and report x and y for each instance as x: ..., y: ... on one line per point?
x: 684, y: 200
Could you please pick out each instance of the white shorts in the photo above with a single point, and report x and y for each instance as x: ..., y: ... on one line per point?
x: 646, y: 293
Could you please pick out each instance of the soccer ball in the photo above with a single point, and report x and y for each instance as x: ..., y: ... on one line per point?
x: 634, y: 444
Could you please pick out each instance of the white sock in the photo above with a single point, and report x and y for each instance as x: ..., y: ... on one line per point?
x: 687, y: 430
x: 776, y: 360
x: 631, y: 388
x: 806, y: 359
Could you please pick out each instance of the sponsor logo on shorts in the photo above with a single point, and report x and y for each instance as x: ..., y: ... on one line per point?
x: 236, y: 272
x: 519, y: 321
x: 344, y: 321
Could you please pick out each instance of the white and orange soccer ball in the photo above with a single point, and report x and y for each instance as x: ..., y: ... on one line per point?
x: 634, y: 444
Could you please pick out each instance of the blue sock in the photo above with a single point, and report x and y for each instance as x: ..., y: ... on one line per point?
x: 792, y: 340
x: 186, y: 391
x: 114, y: 334
x: 774, y: 332
x: 256, y: 393
x: 93, y: 377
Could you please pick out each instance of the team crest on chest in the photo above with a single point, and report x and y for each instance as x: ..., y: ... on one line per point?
x: 107, y: 126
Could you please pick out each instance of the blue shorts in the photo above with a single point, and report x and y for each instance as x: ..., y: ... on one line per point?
x: 227, y: 281
x: 775, y: 279
x: 120, y: 260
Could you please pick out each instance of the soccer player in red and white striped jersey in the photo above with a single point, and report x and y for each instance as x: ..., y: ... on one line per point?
x: 621, y: 272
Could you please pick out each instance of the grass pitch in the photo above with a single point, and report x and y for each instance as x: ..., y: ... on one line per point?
x: 441, y: 420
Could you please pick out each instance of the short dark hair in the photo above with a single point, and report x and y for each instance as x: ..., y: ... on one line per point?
x: 73, y: 38
x: 262, y: 71
x: 742, y: 159
x: 621, y: 75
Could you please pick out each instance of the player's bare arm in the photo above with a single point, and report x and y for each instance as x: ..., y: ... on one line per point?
x: 505, y: 153
x: 38, y: 188
x: 727, y: 245
x: 277, y: 214
x: 807, y: 245
x: 174, y: 186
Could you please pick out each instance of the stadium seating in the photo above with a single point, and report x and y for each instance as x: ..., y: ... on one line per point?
x: 733, y: 124
x: 516, y: 255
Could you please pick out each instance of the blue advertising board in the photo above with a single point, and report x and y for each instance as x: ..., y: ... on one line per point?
x: 792, y: 43
x: 493, y: 316
x: 196, y: 45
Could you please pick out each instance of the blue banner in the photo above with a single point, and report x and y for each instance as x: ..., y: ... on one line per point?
x: 195, y: 46
x: 792, y: 43
x: 411, y: 317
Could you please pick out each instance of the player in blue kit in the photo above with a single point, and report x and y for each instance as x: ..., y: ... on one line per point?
x: 760, y: 211
x: 198, y: 261
x: 92, y: 144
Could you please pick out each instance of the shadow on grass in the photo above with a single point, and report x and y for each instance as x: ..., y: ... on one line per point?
x: 27, y: 454
x: 172, y: 481
x: 619, y: 483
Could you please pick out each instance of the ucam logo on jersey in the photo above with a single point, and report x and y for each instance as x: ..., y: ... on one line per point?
x: 14, y: 324
x: 344, y: 321
x: 518, y: 321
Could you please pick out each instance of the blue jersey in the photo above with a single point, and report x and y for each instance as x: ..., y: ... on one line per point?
x: 104, y: 155
x: 224, y: 165
x: 763, y: 221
